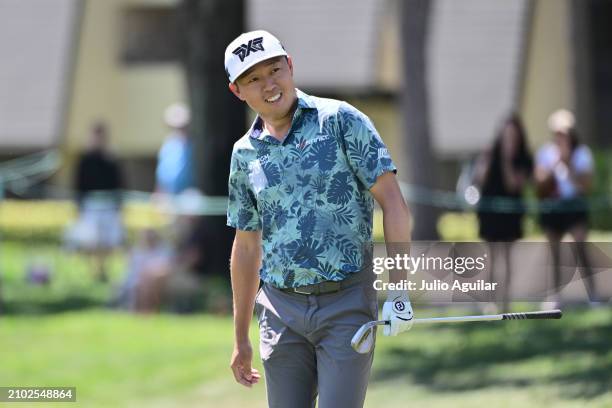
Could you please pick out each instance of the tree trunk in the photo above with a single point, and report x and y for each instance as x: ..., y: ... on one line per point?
x: 218, y: 117
x: 422, y: 163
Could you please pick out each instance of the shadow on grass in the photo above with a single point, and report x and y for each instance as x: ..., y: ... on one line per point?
x: 186, y: 304
x: 587, y: 382
x: 64, y: 304
x: 580, y: 357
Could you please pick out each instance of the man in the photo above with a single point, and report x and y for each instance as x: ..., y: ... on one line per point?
x: 300, y: 197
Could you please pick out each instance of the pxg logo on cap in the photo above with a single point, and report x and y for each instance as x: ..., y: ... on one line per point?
x: 245, y: 49
x: 249, y: 49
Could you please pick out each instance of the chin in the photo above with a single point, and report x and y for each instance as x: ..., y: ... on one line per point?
x: 284, y: 111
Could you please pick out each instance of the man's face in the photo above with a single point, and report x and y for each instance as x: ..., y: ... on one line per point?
x: 268, y: 88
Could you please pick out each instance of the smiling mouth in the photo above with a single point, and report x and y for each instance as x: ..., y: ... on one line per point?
x: 274, y: 98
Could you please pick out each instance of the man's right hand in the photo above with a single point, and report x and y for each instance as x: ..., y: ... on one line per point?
x: 241, y: 364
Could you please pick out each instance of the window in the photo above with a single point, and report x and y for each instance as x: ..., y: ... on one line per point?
x: 149, y: 35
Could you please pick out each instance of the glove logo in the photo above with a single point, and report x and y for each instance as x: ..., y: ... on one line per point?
x: 399, y: 306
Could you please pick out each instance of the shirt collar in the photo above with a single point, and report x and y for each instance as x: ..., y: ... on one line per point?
x: 304, y: 101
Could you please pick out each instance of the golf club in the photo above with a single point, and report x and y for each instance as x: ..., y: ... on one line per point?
x: 362, y: 342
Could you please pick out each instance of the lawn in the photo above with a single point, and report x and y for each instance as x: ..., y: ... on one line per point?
x: 116, y: 359
x: 63, y: 335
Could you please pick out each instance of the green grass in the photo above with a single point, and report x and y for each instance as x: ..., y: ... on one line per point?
x: 61, y: 335
x: 565, y: 362
x: 117, y: 359
x: 114, y: 359
x: 72, y: 286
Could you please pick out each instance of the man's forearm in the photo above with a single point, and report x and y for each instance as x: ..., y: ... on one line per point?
x: 396, y: 219
x: 244, y: 271
x: 396, y: 226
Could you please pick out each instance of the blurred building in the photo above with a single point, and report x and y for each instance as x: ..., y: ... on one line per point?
x: 72, y: 62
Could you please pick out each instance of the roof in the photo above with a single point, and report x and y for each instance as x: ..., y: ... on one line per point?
x: 36, y: 39
x: 475, y: 60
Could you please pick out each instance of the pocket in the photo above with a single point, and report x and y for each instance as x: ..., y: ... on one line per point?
x: 270, y: 331
x: 370, y: 298
x: 258, y: 306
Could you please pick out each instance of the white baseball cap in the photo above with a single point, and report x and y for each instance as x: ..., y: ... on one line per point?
x: 561, y: 120
x: 249, y: 49
x: 177, y: 115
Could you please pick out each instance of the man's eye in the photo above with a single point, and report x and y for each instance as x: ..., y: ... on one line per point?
x: 253, y: 79
x: 275, y: 70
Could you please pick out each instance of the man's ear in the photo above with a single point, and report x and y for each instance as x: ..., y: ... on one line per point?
x: 290, y: 63
x: 235, y: 90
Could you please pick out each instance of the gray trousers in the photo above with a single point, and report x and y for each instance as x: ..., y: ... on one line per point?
x: 305, y: 345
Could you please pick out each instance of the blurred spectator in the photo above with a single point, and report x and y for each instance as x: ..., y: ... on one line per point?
x: 563, y: 172
x: 502, y: 173
x: 175, y: 179
x: 97, y: 170
x: 149, y: 264
x: 174, y: 163
x: 198, y: 273
x: 168, y: 276
x: 98, y: 183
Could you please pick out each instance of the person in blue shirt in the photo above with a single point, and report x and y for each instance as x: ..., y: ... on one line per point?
x: 302, y: 185
x: 174, y: 171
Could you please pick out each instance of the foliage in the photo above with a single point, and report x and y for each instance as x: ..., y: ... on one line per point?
x: 602, y: 191
x: 47, y: 220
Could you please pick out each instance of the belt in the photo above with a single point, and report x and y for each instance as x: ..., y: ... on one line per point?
x: 327, y: 287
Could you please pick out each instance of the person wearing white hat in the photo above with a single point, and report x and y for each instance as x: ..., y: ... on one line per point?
x: 564, y: 169
x: 174, y: 171
x: 302, y: 184
x: 563, y: 173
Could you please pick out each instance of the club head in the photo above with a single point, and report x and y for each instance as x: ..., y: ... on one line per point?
x: 363, y: 339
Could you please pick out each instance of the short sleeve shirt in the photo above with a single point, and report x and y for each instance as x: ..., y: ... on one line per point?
x: 309, y: 194
x: 581, y: 162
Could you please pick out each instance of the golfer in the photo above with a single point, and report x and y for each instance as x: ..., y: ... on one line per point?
x: 301, y: 189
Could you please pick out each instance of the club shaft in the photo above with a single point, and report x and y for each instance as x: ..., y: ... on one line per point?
x: 360, y: 337
x: 544, y: 314
x: 458, y: 319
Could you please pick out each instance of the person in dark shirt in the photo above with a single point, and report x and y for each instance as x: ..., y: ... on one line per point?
x: 97, y: 171
x: 503, y: 172
x: 98, y: 182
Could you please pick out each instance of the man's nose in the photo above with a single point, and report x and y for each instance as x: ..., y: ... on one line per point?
x: 269, y: 83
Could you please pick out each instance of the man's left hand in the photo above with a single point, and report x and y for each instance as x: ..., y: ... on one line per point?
x: 398, y: 311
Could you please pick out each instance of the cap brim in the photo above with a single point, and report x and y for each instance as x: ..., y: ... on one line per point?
x: 255, y: 62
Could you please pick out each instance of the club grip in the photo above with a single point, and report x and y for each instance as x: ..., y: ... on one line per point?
x: 544, y: 314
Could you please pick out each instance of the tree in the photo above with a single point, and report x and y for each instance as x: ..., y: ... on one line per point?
x: 218, y: 117
x: 422, y: 163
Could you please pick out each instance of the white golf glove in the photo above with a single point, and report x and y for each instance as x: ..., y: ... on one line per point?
x: 398, y: 310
